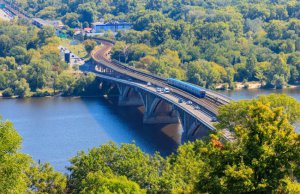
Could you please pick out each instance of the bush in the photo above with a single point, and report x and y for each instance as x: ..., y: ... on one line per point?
x: 232, y: 86
x: 224, y: 87
x: 41, y: 94
x: 246, y: 86
x: 8, y: 92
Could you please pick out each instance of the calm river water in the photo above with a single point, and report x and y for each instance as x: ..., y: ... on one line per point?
x: 55, y: 129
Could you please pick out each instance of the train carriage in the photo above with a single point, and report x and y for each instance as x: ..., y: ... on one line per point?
x: 187, y: 87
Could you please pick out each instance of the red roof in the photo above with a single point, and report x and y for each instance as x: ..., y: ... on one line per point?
x: 87, y: 29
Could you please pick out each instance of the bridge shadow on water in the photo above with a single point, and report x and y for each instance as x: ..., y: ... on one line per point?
x: 128, y: 127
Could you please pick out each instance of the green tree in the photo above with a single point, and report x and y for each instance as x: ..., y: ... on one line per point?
x: 65, y: 82
x: 8, y: 92
x: 21, y: 88
x: 43, y: 179
x: 262, y: 156
x: 107, y: 183
x: 12, y: 163
x: 37, y: 74
x: 45, y: 33
x: 154, y: 4
x: 86, y: 12
x: 89, y: 45
x: 71, y: 19
x: 20, y: 54
x: 126, y: 160
x: 5, y: 44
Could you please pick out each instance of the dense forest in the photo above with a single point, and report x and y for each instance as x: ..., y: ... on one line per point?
x: 204, y: 42
x: 30, y: 63
x: 263, y: 158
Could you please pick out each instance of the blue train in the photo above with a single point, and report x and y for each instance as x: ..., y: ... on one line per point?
x: 187, y: 87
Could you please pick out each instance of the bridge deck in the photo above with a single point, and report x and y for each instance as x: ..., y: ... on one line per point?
x: 211, y: 104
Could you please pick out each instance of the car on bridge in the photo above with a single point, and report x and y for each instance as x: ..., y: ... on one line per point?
x: 158, y: 89
x: 214, y: 119
x: 166, y: 90
x: 149, y: 84
x: 189, y: 102
x: 180, y: 100
x: 197, y: 107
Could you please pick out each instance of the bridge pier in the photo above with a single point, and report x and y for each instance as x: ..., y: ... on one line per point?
x: 128, y: 96
x: 192, y: 128
x: 158, y: 111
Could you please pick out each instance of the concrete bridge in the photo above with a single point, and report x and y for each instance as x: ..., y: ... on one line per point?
x: 132, y: 89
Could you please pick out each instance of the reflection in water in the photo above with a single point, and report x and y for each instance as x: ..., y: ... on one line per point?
x: 55, y: 129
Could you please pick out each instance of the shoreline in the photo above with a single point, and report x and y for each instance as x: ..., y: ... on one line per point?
x: 239, y: 86
x: 252, y: 85
x: 56, y: 96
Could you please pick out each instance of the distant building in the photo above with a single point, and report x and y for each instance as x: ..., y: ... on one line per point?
x: 87, y: 30
x: 70, y: 57
x: 112, y: 26
x: 77, y: 31
x: 56, y: 23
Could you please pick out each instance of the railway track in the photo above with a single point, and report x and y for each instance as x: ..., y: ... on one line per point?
x: 210, y: 103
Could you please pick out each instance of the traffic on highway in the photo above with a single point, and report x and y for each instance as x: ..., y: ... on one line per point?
x: 203, y: 105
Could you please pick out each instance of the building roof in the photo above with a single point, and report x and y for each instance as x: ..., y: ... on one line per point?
x: 110, y: 23
x: 87, y: 29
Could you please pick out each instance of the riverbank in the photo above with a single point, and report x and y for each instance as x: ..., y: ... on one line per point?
x: 51, y: 96
x: 251, y: 85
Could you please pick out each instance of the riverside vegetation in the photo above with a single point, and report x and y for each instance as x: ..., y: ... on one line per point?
x: 203, y: 42
x: 263, y: 158
x: 30, y: 64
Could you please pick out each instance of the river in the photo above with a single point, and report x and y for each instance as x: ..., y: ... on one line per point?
x: 55, y: 129
x: 252, y: 93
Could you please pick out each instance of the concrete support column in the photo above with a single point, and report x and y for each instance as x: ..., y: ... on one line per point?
x: 192, y: 128
x: 128, y: 96
x: 158, y: 111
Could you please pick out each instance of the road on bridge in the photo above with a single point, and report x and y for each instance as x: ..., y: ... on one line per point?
x: 209, y: 105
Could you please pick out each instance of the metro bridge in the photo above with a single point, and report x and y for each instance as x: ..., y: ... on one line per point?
x: 196, y: 115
